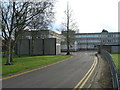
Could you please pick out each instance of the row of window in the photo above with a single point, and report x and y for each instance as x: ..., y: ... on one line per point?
x: 97, y: 36
x: 88, y: 41
x: 113, y: 40
x: 97, y: 41
x: 86, y: 46
x: 86, y: 36
x: 42, y: 36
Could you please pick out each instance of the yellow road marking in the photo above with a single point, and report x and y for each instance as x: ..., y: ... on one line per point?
x: 89, y: 75
x: 84, y: 76
x: 8, y: 77
x: 90, y: 70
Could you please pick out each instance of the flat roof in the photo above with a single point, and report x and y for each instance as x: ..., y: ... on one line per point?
x: 98, y: 33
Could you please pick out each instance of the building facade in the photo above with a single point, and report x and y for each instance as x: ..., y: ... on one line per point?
x: 36, y: 34
x: 39, y: 42
x: 92, y: 41
x: 78, y: 41
x: 72, y: 41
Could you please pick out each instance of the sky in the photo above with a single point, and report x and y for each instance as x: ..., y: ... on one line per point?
x: 91, y: 15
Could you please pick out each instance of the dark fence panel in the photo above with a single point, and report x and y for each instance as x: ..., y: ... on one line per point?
x: 36, y: 47
x: 50, y: 46
x: 23, y: 47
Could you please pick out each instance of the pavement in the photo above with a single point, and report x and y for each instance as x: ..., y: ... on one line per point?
x: 66, y: 74
x: 103, y: 77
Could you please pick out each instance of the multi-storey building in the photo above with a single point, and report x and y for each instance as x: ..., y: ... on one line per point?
x: 92, y: 40
x: 88, y: 41
x: 78, y: 41
x: 72, y: 41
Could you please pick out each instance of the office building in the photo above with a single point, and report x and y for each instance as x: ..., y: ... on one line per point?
x: 92, y: 41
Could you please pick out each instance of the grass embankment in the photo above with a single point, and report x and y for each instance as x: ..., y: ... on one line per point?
x: 27, y: 62
x: 116, y: 58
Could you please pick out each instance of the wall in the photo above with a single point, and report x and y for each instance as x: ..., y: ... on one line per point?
x: 23, y: 47
x: 111, y: 48
x: 50, y: 46
x: 58, y: 48
x: 115, y: 49
x: 37, y: 47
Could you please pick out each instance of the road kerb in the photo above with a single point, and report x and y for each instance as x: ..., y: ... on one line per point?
x: 89, y: 75
x: 28, y: 71
x: 82, y: 82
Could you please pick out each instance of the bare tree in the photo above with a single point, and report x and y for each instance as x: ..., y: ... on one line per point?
x: 68, y: 26
x: 42, y: 21
x: 15, y: 17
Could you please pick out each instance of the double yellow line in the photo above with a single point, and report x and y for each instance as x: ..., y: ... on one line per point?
x: 82, y: 82
x: 28, y: 71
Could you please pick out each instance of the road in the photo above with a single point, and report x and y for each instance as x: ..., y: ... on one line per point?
x: 66, y: 74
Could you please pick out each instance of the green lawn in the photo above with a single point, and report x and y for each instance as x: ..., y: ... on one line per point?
x: 116, y: 58
x: 27, y: 62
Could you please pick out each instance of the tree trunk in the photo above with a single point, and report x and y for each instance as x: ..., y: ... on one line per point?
x: 11, y: 56
x: 68, y: 38
x: 9, y: 53
x: 68, y: 48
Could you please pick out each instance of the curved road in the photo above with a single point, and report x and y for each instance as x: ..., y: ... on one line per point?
x: 65, y: 74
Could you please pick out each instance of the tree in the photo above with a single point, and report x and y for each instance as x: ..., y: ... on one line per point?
x: 43, y: 21
x: 15, y: 17
x: 104, y: 30
x: 69, y: 25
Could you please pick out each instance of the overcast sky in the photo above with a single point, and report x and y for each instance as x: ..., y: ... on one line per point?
x: 91, y: 15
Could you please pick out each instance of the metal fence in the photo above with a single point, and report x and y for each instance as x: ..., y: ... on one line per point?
x: 114, y: 70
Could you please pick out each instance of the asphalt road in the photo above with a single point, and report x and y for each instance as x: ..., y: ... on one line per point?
x: 62, y: 75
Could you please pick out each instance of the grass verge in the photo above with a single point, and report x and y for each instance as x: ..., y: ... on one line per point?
x: 27, y: 62
x: 116, y: 58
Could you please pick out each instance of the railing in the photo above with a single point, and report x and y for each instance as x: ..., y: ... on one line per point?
x: 114, y: 70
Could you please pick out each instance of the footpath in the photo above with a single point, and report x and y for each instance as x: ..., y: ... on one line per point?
x: 102, y: 77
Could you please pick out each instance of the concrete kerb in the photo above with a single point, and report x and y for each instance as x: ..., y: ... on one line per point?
x: 95, y: 72
x: 101, y: 79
